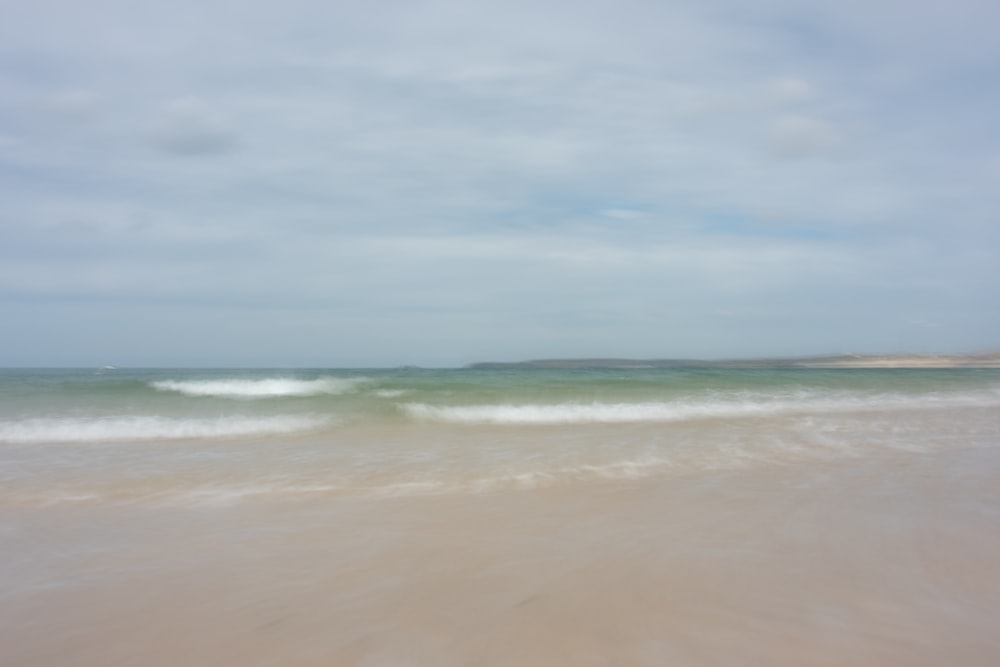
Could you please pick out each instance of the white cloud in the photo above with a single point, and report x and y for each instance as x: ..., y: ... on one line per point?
x: 622, y: 213
x: 189, y: 126
x: 790, y: 89
x: 800, y: 136
x: 532, y: 166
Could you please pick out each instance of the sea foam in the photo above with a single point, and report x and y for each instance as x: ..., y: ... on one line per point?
x: 723, y: 407
x: 107, y: 429
x: 261, y: 388
x: 572, y: 413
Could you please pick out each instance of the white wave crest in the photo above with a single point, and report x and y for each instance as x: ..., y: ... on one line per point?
x: 390, y: 393
x: 116, y: 429
x: 262, y: 388
x: 611, y: 413
x: 577, y: 413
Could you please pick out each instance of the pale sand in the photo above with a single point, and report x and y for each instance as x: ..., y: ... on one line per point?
x: 847, y: 360
x: 909, y: 361
x: 890, y: 560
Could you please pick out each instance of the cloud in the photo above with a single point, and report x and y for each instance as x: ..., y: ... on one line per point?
x: 544, y: 174
x: 79, y: 105
x: 801, y: 137
x: 189, y: 126
x: 790, y: 90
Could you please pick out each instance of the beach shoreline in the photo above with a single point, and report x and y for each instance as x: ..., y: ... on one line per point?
x: 440, y: 518
x: 984, y: 360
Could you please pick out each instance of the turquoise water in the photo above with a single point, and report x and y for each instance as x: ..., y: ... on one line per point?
x: 82, y: 405
x: 128, y: 435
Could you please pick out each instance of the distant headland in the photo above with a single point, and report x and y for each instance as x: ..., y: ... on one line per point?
x: 985, y: 360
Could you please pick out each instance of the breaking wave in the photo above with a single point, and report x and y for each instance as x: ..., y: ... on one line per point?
x: 570, y: 413
x: 262, y: 388
x: 611, y: 413
x: 108, y: 429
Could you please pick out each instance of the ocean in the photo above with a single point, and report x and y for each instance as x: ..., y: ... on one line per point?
x: 499, y: 517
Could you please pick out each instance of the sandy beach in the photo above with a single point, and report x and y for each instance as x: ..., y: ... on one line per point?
x: 984, y: 360
x: 559, y: 518
x: 885, y: 562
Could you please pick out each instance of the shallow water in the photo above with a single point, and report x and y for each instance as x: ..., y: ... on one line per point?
x: 749, y: 519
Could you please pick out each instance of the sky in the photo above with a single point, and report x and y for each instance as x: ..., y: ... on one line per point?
x: 305, y: 183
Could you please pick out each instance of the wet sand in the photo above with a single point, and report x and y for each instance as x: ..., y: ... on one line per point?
x: 892, y: 559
